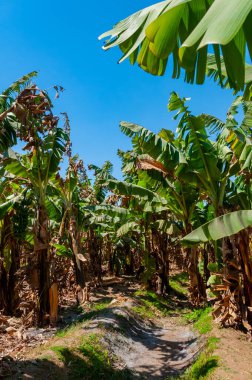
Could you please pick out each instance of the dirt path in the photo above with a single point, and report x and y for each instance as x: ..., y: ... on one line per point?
x: 132, y: 346
x: 235, y: 353
x: 150, y: 350
x: 156, y: 349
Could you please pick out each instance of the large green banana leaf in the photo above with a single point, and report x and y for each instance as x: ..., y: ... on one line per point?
x: 6, y: 206
x: 130, y: 189
x: 148, y: 142
x: 185, y: 29
x: 214, y: 72
x: 218, y: 228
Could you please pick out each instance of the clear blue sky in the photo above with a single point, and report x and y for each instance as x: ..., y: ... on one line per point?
x: 59, y: 39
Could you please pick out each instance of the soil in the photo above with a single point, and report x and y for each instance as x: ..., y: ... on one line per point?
x: 235, y: 353
x: 150, y: 349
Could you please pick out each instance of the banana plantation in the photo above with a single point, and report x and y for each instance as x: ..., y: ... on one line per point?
x: 184, y: 196
x: 129, y: 275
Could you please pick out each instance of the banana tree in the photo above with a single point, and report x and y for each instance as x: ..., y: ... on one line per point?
x: 10, y: 125
x: 236, y: 249
x: 149, y: 210
x: 160, y: 160
x: 13, y: 226
x: 46, y: 143
x: 229, y: 309
x: 65, y: 205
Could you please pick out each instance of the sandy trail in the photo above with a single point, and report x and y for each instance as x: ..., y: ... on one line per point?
x: 151, y: 349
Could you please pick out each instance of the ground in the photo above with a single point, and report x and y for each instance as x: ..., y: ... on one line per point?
x: 235, y: 353
x: 129, y: 333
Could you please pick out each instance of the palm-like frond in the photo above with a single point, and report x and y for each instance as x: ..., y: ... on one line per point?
x: 184, y: 29
x: 147, y: 142
x: 218, y: 228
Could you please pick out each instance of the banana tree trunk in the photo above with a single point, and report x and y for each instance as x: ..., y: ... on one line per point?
x: 110, y: 258
x: 95, y: 255
x: 246, y: 267
x: 12, y: 289
x: 78, y: 262
x: 41, y: 248
x: 3, y: 287
x: 8, y: 292
x: 228, y: 310
x: 197, y: 289
x: 163, y: 264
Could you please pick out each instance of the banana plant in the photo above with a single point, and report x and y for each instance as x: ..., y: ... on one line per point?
x: 10, y: 126
x: 233, y: 228
x: 160, y: 161
x: 66, y: 206
x: 226, y: 225
x: 46, y: 144
x: 13, y: 227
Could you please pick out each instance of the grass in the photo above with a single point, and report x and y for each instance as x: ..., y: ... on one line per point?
x: 89, y: 360
x: 95, y: 310
x: 151, y: 304
x: 201, y: 319
x: 144, y: 312
x: 206, y: 361
x: 179, y: 283
x: 202, y: 368
x: 62, y: 333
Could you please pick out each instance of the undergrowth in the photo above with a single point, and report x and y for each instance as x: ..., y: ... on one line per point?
x: 90, y: 361
x: 95, y: 310
x: 201, y: 319
x: 93, y: 360
x: 179, y: 283
x: 153, y: 305
x: 206, y: 361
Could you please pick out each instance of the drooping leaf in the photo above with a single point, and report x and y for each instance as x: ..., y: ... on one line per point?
x: 218, y: 228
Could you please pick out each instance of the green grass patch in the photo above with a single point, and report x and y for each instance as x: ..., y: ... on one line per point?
x: 151, y: 304
x: 206, y: 362
x: 179, y: 283
x: 90, y: 361
x: 202, y: 368
x: 212, y: 343
x: 201, y: 319
x: 144, y: 311
x: 95, y: 310
x: 62, y: 333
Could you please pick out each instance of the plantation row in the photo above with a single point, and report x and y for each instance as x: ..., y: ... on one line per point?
x: 61, y: 233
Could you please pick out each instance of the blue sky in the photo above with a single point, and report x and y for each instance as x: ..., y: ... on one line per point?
x: 59, y: 39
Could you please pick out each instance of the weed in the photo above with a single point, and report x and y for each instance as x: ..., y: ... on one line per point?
x: 95, y: 311
x: 62, y: 333
x: 90, y: 360
x: 143, y: 311
x: 206, y: 362
x: 202, y: 368
x: 152, y: 304
x: 179, y: 283
x: 201, y: 319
